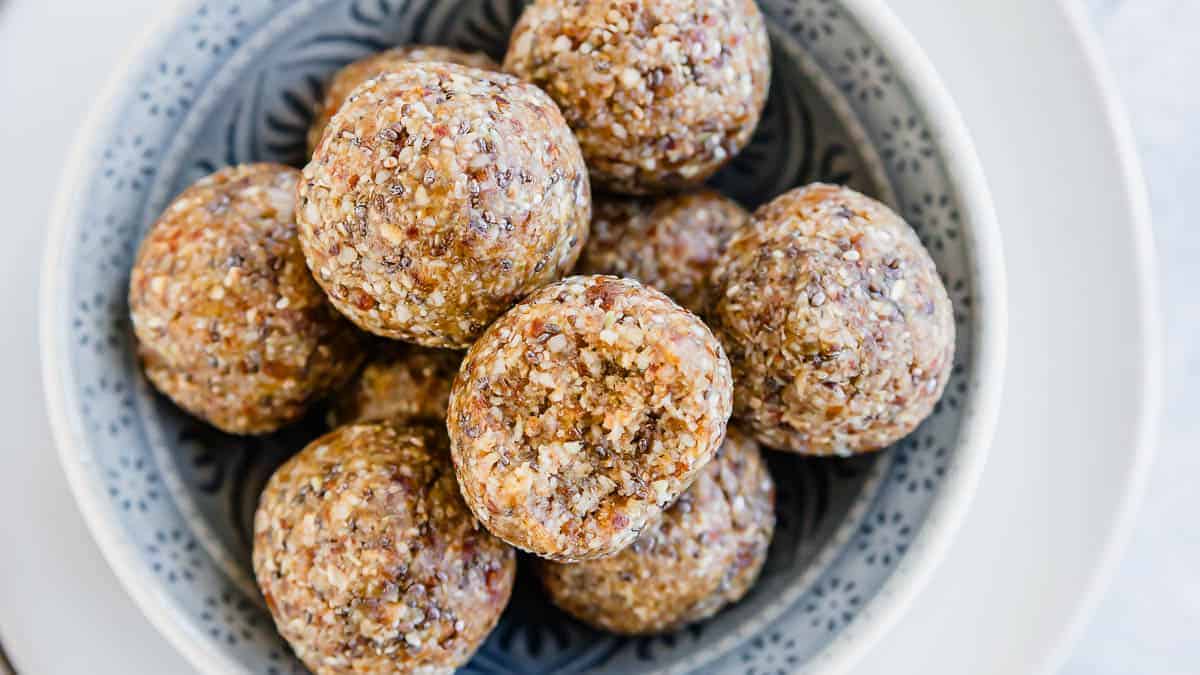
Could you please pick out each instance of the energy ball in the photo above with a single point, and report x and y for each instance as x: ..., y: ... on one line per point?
x: 440, y: 196
x: 704, y: 553
x: 401, y: 383
x: 742, y: 474
x: 660, y: 93
x: 229, y: 323
x: 671, y: 243
x: 368, y: 559
x: 583, y: 412
x: 347, y: 79
x: 838, y: 327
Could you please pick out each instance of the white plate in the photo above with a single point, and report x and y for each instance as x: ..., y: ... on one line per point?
x: 1073, y: 431
x: 1082, y: 394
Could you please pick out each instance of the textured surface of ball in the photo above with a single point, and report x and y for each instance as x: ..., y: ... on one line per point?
x: 229, y: 323
x: 670, y: 243
x: 702, y: 554
x: 839, y: 329
x: 347, y: 79
x: 661, y: 93
x: 440, y: 196
x: 400, y: 382
x: 583, y: 412
x: 368, y: 559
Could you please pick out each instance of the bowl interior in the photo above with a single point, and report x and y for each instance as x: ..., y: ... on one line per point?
x: 233, y: 82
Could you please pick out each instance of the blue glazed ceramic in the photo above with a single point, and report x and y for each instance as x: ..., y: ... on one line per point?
x: 170, y: 500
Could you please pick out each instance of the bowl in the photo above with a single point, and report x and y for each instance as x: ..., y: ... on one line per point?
x: 170, y: 500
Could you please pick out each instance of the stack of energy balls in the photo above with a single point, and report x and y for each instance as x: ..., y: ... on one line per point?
x: 586, y: 424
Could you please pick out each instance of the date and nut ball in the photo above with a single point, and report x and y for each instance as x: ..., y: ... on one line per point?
x: 347, y: 79
x: 229, y: 323
x: 660, y: 93
x: 702, y: 554
x: 670, y: 243
x: 402, y: 382
x: 838, y: 327
x: 440, y: 196
x: 368, y: 559
x: 583, y: 412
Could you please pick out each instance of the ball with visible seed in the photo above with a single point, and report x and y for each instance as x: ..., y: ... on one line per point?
x: 702, y: 554
x: 583, y: 412
x: 401, y: 382
x: 660, y: 93
x: 347, y: 79
x: 368, y: 559
x: 440, y: 196
x: 229, y: 322
x: 839, y: 329
x: 670, y: 243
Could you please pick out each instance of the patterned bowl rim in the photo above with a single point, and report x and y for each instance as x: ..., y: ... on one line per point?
x: 927, y: 549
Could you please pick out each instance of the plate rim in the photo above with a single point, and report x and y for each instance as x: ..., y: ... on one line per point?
x: 1149, y: 417
x: 903, y: 584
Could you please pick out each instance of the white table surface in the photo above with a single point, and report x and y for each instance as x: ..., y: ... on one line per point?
x: 64, y: 50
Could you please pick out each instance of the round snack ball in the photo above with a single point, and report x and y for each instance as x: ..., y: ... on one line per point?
x: 440, y: 196
x: 229, y: 323
x: 742, y: 474
x: 583, y: 412
x: 671, y: 243
x: 347, y: 79
x: 368, y: 559
x: 401, y: 383
x: 702, y: 554
x: 660, y: 93
x: 838, y: 327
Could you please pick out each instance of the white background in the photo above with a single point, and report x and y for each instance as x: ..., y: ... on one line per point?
x: 54, y: 56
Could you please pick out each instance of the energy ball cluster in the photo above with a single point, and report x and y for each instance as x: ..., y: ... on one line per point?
x: 369, y: 560
x: 594, y: 421
x: 229, y: 322
x: 583, y: 412
x: 439, y: 196
x: 671, y: 243
x: 660, y: 93
x: 838, y: 327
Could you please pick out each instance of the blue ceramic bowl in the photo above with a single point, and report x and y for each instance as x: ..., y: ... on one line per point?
x: 226, y: 81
